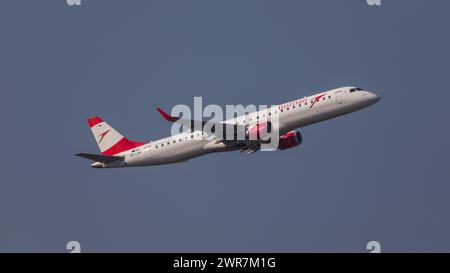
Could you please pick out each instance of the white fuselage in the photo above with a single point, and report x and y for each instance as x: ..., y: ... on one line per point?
x: 292, y: 115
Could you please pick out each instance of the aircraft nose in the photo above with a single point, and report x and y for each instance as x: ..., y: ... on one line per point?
x: 373, y: 97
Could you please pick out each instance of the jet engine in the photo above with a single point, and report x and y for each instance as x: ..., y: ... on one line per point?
x: 290, y: 140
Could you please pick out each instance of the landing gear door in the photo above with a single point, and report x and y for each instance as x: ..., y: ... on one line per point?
x: 339, y: 97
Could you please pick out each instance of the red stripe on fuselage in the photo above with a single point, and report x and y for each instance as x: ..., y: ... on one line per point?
x: 122, y: 146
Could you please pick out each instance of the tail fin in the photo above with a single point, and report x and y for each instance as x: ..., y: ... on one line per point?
x: 109, y: 140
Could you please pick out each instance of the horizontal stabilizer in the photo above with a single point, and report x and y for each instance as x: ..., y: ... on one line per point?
x: 101, y: 158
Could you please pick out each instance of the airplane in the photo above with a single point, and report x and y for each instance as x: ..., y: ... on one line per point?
x: 118, y: 151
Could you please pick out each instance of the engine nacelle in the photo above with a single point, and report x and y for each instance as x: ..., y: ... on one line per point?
x: 259, y: 131
x: 290, y: 140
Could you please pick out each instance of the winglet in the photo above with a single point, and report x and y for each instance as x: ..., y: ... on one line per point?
x: 166, y: 115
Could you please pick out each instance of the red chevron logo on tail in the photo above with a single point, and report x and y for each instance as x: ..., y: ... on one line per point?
x: 102, y: 135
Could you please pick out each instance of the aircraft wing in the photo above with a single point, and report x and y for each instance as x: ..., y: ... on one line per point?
x: 228, y: 137
x: 216, y: 127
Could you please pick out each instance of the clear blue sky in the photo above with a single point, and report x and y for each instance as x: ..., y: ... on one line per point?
x: 378, y: 174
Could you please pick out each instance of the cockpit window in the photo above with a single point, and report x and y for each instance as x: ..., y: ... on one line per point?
x: 356, y: 89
